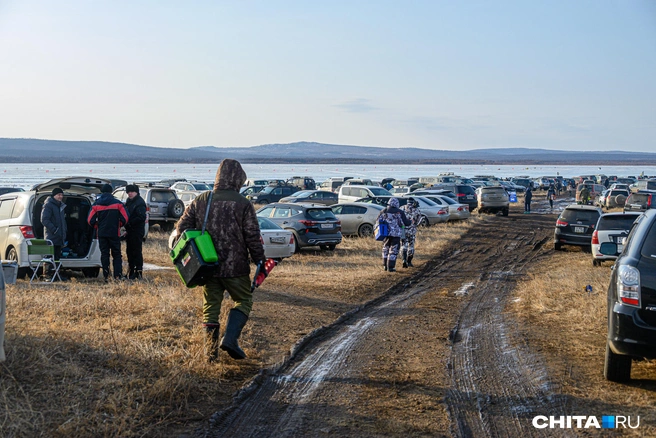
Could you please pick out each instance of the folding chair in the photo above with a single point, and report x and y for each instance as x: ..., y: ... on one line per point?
x: 44, y: 251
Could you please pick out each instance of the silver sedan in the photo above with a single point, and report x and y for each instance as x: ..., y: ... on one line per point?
x: 457, y: 211
x: 357, y: 218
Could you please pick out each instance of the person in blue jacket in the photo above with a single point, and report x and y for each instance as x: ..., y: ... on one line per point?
x: 53, y: 219
x: 396, y: 220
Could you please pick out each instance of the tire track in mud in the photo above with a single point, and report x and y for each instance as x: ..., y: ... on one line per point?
x: 495, y: 386
x: 498, y: 386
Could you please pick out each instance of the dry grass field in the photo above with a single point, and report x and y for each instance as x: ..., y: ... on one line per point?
x: 568, y: 325
x: 85, y: 358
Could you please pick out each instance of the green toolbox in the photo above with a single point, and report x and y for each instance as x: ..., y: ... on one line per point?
x: 194, y: 257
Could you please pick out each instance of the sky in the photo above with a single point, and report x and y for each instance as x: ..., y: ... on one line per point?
x: 436, y: 74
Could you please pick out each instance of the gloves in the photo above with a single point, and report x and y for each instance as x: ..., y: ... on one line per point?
x: 261, y: 265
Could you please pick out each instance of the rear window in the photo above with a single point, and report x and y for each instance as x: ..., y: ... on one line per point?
x: 580, y: 215
x: 266, y: 224
x: 161, y: 196
x: 649, y: 247
x: 323, y: 213
x: 467, y: 190
x: 638, y: 198
x: 494, y: 190
x: 617, y: 222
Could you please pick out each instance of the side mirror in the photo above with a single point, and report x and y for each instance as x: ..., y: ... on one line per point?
x: 608, y: 248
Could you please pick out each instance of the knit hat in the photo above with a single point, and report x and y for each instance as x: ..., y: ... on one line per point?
x: 106, y: 188
x: 56, y: 191
x: 131, y: 188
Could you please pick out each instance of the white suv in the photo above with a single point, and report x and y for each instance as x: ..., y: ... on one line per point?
x: 20, y: 220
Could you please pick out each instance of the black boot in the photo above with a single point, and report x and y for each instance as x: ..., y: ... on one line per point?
x: 236, y: 322
x: 410, y: 261
x: 212, y: 330
x: 385, y: 264
x: 391, y: 265
x: 405, y: 258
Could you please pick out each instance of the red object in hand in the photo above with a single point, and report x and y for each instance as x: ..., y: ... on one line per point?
x: 268, y: 267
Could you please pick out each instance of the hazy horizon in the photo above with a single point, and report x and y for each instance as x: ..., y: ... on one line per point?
x: 431, y: 74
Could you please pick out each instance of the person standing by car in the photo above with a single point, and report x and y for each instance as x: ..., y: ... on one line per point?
x: 108, y: 215
x: 135, y: 229
x: 585, y: 195
x: 54, y: 222
x: 396, y: 219
x: 412, y: 212
x: 235, y: 232
x: 551, y: 195
x: 528, y: 196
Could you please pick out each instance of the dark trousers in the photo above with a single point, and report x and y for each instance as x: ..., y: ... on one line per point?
x: 527, y: 206
x: 112, y: 244
x: 134, y: 242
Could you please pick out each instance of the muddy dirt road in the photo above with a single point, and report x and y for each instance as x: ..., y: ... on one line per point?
x: 436, y: 355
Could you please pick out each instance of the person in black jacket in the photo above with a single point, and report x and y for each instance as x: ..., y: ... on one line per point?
x: 54, y: 222
x: 108, y: 215
x: 528, y: 196
x: 135, y: 228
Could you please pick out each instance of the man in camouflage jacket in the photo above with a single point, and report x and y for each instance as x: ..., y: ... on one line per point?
x: 235, y: 232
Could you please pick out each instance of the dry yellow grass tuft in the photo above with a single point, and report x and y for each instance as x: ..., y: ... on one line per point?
x: 85, y: 358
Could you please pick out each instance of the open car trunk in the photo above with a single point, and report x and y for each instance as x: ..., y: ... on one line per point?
x: 79, y: 233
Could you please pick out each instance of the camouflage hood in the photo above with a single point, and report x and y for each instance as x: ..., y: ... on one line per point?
x: 230, y: 176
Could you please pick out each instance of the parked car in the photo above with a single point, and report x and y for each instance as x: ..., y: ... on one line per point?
x: 644, y: 184
x: 191, y: 186
x: 4, y: 190
x: 611, y: 227
x: 273, y: 193
x: 164, y: 207
x: 430, y: 191
x: 457, y: 211
x: 431, y: 213
x: 353, y: 193
x: 595, y: 189
x: 357, y: 218
x: 312, y: 196
x: 302, y: 182
x: 278, y: 243
x: 612, y: 198
x: 248, y: 191
x: 632, y: 300
x: 575, y: 225
x: 187, y: 197
x: 312, y: 225
x: 463, y: 193
x: 640, y: 201
x: 20, y: 220
x: 493, y: 199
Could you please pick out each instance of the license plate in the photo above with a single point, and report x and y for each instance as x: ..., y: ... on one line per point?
x: 154, y: 209
x: 277, y: 239
x: 469, y: 197
x: 579, y: 229
x: 326, y: 225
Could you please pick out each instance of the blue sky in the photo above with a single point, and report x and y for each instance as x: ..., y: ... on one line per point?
x: 576, y: 75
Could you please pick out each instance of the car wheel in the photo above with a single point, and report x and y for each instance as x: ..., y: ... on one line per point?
x: 423, y: 222
x: 12, y: 255
x: 366, y: 230
x: 558, y: 246
x: 297, y: 247
x: 596, y: 262
x: 176, y: 208
x: 91, y: 272
x: 263, y: 202
x: 617, y: 367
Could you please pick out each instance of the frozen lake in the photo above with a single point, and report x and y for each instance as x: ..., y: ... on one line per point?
x: 26, y: 175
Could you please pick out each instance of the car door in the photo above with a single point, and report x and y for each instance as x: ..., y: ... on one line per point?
x: 347, y: 215
x: 281, y: 216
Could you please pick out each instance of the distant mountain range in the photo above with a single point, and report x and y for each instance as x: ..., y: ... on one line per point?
x: 17, y: 150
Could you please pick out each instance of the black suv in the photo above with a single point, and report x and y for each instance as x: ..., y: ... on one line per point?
x: 272, y: 193
x: 575, y: 226
x: 302, y: 182
x: 632, y: 300
x: 312, y: 225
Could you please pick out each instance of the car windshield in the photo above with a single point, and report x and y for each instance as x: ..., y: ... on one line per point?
x: 377, y: 191
x: 320, y: 213
x: 493, y: 190
x: 266, y: 224
x: 201, y: 186
x: 649, y: 247
x: 580, y: 215
x: 617, y: 222
x: 301, y: 194
x: 427, y: 201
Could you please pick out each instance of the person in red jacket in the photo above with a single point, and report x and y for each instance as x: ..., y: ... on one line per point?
x: 108, y: 215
